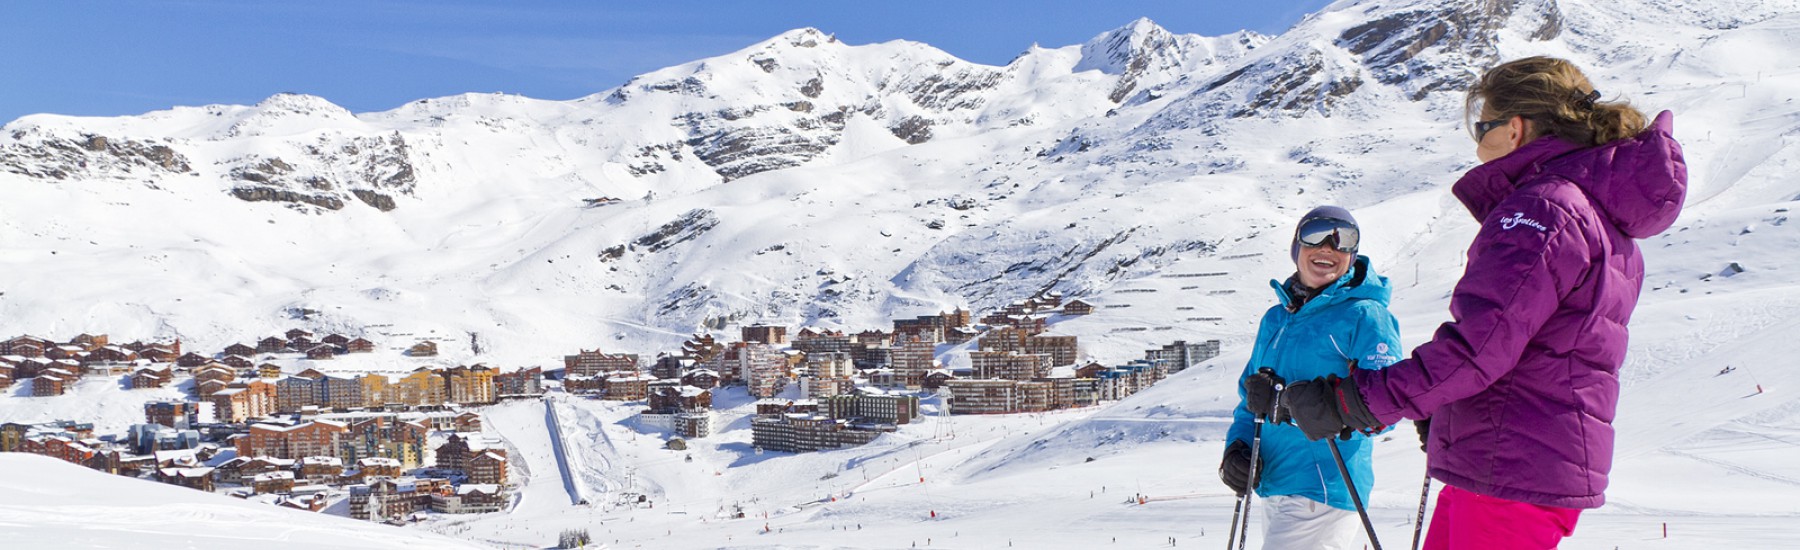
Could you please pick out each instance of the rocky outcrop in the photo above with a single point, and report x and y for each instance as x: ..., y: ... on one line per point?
x: 259, y: 194
x: 381, y: 202
x: 1464, y: 34
x: 683, y: 229
x: 34, y: 152
x: 329, y: 173
x: 739, y: 152
x: 913, y: 129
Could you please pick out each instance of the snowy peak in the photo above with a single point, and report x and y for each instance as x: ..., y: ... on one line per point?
x: 1144, y: 54
x: 289, y: 113
x: 805, y: 37
x: 1140, y: 43
x: 302, y: 104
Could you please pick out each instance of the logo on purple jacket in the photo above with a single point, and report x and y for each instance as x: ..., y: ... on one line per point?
x: 1518, y: 219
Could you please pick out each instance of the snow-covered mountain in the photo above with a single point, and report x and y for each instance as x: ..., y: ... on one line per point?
x: 802, y: 180
x: 799, y: 180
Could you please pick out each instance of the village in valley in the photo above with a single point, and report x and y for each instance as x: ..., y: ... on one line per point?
x: 273, y: 421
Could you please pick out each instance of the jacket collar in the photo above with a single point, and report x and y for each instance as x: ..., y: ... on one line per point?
x: 1483, y: 187
x: 1359, y: 282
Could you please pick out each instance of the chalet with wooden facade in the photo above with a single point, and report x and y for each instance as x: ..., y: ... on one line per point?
x: 469, y: 421
x: 316, y: 438
x: 25, y: 346
x: 597, y: 363
x: 174, y: 414
x: 392, y: 500
x: 359, y: 345
x: 54, y: 381
x: 321, y: 352
x: 672, y: 399
x: 701, y: 378
x: 423, y: 349
x: 368, y: 469
x: 111, y: 354
x: 272, y: 344
x: 238, y: 362
x: 151, y: 378
x: 328, y: 470
x: 470, y: 498
x: 487, y: 467
x: 212, y: 377
x: 272, y: 482
x: 632, y: 387
x: 244, y: 401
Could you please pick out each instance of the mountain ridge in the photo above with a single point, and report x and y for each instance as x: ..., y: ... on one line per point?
x: 829, y: 184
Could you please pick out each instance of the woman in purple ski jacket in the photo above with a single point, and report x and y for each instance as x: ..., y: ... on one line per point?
x: 1521, y: 386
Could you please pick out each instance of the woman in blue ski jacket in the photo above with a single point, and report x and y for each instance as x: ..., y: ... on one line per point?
x: 1330, y: 312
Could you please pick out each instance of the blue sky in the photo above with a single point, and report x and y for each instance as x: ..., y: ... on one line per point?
x: 115, y: 57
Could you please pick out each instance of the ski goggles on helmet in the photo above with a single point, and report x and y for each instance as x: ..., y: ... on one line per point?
x: 1313, y: 232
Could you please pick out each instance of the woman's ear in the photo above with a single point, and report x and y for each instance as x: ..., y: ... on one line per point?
x: 1521, y: 129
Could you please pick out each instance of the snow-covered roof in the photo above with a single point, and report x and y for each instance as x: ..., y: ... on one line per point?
x: 322, y: 461
x: 201, y: 471
x: 274, y: 476
x: 484, y: 488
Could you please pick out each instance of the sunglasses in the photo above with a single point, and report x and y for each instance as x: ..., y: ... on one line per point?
x: 1481, y: 128
x: 1314, y: 232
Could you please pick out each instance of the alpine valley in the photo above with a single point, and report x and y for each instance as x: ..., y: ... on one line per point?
x: 807, y: 182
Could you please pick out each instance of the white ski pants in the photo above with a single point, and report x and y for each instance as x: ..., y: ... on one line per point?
x: 1300, y: 523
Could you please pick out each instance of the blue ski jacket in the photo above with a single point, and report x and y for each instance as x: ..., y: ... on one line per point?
x: 1347, y: 320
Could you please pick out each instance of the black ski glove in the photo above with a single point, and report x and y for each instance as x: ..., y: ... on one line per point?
x: 1423, y: 425
x: 1259, y: 394
x: 1235, y: 469
x: 1328, y: 406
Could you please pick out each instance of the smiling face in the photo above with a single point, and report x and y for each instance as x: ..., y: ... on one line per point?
x: 1319, y: 266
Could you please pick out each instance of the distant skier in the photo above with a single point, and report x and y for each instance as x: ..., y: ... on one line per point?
x: 1332, y: 310
x: 1522, y: 385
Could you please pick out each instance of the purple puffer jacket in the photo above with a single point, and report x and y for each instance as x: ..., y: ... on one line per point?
x: 1522, y: 385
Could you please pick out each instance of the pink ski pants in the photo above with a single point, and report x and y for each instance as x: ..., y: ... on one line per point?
x: 1468, y: 521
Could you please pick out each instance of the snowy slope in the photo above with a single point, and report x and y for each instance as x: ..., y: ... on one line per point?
x: 803, y: 180
x: 144, y: 514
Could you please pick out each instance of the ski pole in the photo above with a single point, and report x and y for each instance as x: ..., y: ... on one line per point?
x: 1354, y: 498
x: 1231, y: 538
x: 1255, y: 456
x: 1419, y: 524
